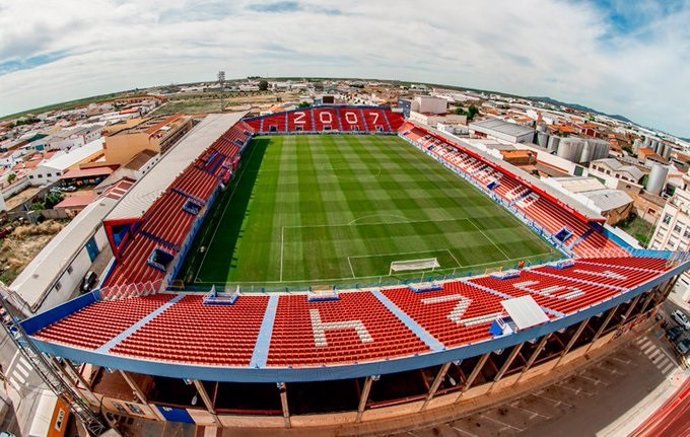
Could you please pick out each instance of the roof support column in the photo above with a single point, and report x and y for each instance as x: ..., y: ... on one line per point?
x: 206, y: 398
x: 603, y: 326
x: 473, y: 375
x: 435, y: 385
x: 629, y: 311
x: 572, y: 341
x: 647, y: 301
x: 135, y: 388
x: 535, y: 355
x: 504, y: 368
x: 284, y: 403
x: 364, y: 397
x: 670, y: 285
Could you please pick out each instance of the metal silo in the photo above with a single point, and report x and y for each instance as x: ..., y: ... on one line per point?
x: 570, y: 149
x: 657, y: 179
x: 587, y: 152
x: 601, y: 149
x: 553, y: 143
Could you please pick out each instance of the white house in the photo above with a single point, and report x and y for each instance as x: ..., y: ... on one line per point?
x: 50, y: 170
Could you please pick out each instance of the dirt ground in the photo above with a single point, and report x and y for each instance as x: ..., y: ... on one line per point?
x: 22, y: 197
x: 204, y: 103
x: 22, y: 245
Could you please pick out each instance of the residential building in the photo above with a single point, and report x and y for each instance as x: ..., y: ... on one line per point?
x: 157, y: 134
x: 613, y: 171
x: 68, y: 139
x: 673, y: 232
x: 51, y: 170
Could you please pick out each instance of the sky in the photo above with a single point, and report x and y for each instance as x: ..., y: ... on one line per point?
x: 617, y: 56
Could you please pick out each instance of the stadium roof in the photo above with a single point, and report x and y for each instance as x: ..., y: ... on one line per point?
x: 173, y: 162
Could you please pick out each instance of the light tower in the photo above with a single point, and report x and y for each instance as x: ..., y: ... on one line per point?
x: 221, y: 82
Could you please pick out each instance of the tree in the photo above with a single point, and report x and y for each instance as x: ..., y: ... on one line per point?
x: 472, y: 111
x: 52, y: 199
x: 304, y: 105
x: 460, y: 111
x: 263, y: 85
x: 11, y: 177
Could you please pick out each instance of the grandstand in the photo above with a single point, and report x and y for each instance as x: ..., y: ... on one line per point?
x: 354, y: 353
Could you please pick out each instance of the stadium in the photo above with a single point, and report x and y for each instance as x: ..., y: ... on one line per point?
x: 339, y: 266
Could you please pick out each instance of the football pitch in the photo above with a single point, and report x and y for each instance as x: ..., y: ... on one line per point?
x: 338, y: 209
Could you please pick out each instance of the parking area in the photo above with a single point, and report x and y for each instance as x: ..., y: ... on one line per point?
x: 595, y: 401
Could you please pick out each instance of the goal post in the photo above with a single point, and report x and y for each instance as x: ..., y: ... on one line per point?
x: 413, y: 264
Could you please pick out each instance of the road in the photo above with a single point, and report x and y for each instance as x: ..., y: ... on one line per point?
x: 673, y: 419
x: 21, y: 391
x: 606, y: 398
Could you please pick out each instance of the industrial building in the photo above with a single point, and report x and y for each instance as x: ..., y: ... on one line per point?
x: 502, y: 130
x: 615, y: 205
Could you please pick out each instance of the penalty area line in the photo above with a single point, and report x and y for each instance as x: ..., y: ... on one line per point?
x: 489, y: 239
x: 351, y: 269
x: 282, y: 250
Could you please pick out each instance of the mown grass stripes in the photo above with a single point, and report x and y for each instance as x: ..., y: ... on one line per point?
x: 320, y: 209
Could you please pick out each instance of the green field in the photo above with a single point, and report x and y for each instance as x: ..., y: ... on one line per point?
x: 335, y: 209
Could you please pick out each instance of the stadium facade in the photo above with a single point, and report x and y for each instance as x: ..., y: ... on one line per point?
x: 340, y: 357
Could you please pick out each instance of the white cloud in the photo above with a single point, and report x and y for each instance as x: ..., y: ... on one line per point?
x: 572, y: 51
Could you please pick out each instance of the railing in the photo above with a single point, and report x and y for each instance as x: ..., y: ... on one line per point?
x: 127, y: 291
x: 399, y: 280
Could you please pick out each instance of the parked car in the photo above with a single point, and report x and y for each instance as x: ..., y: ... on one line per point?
x: 674, y: 333
x: 682, y: 346
x: 681, y: 318
x: 89, y: 281
x: 70, y: 189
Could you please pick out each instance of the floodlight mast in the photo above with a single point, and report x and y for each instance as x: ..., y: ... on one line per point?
x: 221, y: 82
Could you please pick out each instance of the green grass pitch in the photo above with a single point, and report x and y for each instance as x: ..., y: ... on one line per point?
x: 338, y: 209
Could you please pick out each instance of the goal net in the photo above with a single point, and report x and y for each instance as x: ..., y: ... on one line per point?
x: 414, y: 264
